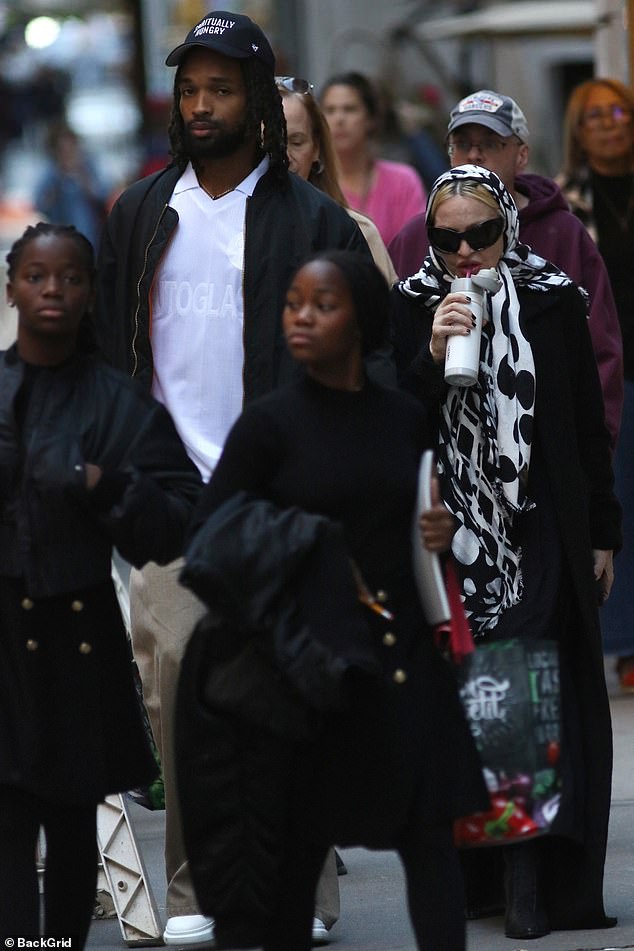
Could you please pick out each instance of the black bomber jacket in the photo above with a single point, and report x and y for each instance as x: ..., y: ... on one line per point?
x: 286, y: 220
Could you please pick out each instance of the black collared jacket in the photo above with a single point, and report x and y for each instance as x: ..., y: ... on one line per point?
x: 286, y: 221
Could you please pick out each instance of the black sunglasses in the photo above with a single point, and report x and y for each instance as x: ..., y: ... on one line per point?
x: 478, y: 237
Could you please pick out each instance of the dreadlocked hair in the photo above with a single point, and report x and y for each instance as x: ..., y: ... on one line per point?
x: 175, y: 130
x: 266, y: 112
x: 86, y: 341
x: 265, y: 117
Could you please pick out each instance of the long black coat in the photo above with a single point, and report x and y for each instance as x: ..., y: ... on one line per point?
x: 569, y: 424
x: 398, y: 755
x: 70, y: 724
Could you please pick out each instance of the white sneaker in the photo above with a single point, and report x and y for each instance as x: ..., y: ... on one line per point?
x: 320, y: 932
x: 189, y: 929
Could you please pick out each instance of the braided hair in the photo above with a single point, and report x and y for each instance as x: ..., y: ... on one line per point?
x: 43, y: 229
x: 264, y: 112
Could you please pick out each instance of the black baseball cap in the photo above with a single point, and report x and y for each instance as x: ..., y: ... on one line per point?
x: 231, y: 34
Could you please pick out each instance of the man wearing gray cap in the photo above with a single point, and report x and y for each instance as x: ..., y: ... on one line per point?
x: 192, y: 278
x: 489, y: 129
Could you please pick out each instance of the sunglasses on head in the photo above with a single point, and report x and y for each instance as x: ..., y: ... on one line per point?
x: 478, y: 237
x: 294, y: 84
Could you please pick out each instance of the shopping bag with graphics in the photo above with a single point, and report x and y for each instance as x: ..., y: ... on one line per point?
x: 510, y: 694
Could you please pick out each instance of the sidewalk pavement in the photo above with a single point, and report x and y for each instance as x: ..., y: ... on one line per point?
x: 373, y: 910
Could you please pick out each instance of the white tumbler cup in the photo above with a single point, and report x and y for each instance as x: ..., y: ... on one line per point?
x: 462, y: 359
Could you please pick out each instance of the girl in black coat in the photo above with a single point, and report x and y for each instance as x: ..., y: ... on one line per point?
x: 87, y: 459
x: 395, y: 764
x: 525, y: 468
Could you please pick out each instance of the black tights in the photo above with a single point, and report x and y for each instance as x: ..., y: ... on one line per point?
x: 70, y: 877
x: 434, y: 892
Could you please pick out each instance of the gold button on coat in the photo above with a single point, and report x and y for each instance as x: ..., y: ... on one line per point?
x: 27, y: 604
x: 85, y: 647
x: 32, y: 645
x: 389, y: 639
x: 77, y: 606
x: 399, y: 676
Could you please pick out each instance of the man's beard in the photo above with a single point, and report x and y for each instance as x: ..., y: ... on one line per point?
x: 225, y: 142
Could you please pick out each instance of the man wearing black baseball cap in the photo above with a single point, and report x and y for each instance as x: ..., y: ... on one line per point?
x: 489, y: 129
x: 192, y: 279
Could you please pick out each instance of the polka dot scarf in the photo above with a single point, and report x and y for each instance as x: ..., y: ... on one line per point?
x: 485, y: 431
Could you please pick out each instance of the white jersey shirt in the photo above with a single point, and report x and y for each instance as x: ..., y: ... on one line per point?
x: 197, y: 316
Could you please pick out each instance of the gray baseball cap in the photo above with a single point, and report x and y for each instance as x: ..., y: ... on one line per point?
x: 499, y: 113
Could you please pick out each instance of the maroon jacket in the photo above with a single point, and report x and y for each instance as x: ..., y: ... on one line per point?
x: 548, y: 226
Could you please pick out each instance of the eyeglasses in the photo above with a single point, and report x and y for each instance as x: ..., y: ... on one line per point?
x: 594, y: 117
x: 478, y: 237
x: 460, y: 146
x: 294, y: 84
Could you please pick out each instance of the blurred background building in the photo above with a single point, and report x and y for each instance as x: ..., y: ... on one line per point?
x: 99, y: 66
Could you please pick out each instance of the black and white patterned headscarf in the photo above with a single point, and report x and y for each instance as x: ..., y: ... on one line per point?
x: 486, y: 430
